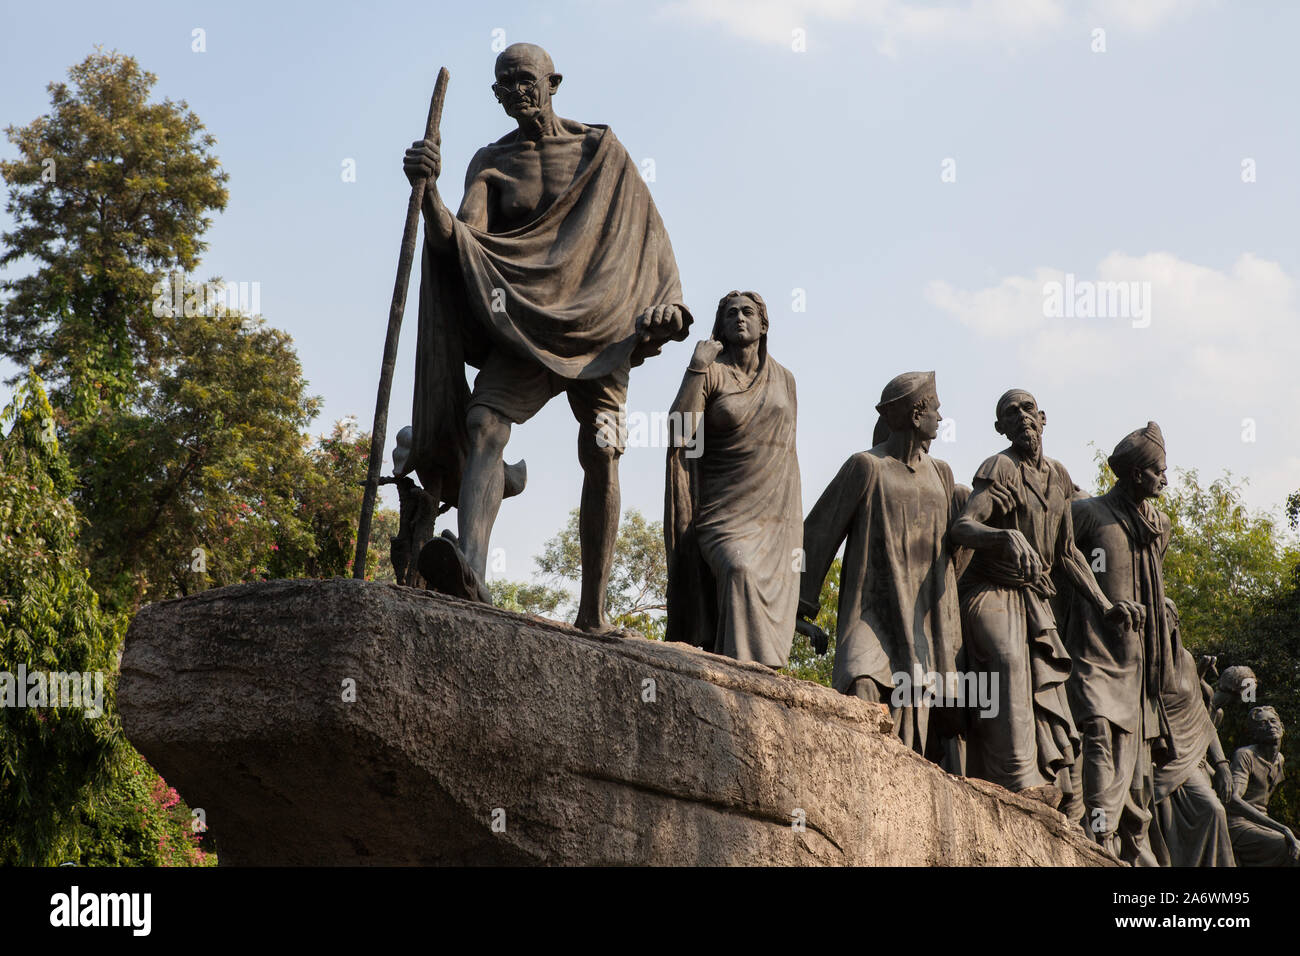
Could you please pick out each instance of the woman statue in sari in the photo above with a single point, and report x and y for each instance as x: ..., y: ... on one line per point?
x: 733, y: 514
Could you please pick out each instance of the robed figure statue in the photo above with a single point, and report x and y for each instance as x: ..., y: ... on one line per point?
x: 733, y: 515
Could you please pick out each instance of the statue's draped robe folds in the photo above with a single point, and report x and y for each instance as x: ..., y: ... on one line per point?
x: 563, y: 291
x: 1116, y: 677
x: 1010, y: 631
x: 1256, y: 777
x: 1190, y: 826
x: 898, y: 608
x: 733, y: 520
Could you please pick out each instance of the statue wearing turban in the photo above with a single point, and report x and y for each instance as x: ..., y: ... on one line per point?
x: 1116, y: 679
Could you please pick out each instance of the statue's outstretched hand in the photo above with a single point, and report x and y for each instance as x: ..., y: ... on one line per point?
x: 659, y: 323
x: 423, y: 160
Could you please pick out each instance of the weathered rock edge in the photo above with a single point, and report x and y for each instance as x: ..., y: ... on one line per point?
x: 236, y: 696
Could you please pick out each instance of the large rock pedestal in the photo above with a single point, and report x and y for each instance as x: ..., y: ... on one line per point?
x: 478, y: 736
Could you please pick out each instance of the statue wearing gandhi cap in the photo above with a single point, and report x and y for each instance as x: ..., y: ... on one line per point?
x: 899, y: 622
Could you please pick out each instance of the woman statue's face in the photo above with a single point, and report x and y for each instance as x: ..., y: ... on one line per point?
x: 741, y: 322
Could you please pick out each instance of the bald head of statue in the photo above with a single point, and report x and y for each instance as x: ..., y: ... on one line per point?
x: 1019, y: 418
x: 526, y: 81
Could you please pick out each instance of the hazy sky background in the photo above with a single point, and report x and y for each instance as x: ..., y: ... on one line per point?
x: 779, y: 170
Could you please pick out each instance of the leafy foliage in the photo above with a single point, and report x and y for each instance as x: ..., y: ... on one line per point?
x: 804, y: 663
x: 1223, y: 560
x: 53, y: 760
x: 328, y: 506
x: 383, y: 528
x: 192, y: 468
x: 71, y: 787
x: 527, y: 598
x: 143, y: 822
x: 638, y: 583
x: 204, y: 481
x: 108, y: 191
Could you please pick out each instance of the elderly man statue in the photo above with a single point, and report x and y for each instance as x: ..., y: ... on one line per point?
x: 1117, y: 678
x: 1028, y: 743
x: 556, y: 275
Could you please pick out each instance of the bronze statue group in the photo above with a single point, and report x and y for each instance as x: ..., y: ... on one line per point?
x: 1017, y: 630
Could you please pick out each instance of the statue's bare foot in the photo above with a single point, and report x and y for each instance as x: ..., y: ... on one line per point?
x: 444, y: 569
x: 593, y: 624
x: 864, y: 688
x: 1047, y: 793
x: 867, y: 690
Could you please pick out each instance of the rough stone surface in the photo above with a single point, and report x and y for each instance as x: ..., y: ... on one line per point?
x: 236, y: 696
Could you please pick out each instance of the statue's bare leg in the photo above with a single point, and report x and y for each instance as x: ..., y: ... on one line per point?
x: 482, y: 485
x: 597, y: 528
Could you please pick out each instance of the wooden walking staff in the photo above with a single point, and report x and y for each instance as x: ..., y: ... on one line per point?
x: 410, y: 234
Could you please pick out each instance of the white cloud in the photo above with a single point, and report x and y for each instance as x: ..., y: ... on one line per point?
x: 1220, y: 343
x: 1013, y: 306
x: 1229, y: 327
x: 1138, y: 15
x: 894, y: 23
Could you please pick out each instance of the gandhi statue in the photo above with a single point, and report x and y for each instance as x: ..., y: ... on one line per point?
x: 556, y: 275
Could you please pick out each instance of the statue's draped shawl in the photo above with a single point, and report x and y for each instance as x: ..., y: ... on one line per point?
x: 1189, y: 826
x: 898, y: 607
x: 564, y: 291
x: 1189, y: 725
x: 733, y: 521
x: 1012, y: 609
x: 1120, y: 677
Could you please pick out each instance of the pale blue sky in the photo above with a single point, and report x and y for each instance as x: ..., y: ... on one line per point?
x: 779, y: 170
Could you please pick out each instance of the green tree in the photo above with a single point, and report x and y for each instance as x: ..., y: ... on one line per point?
x: 638, y: 582
x: 71, y: 787
x: 53, y: 760
x: 205, y: 480
x: 1224, y: 560
x: 109, y: 192
x: 329, y: 508
x: 804, y: 662
x: 383, y: 528
x: 142, y: 822
x: 1269, y: 642
x: 524, y: 598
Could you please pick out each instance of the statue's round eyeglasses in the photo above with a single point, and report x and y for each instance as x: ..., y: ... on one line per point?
x: 524, y: 86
